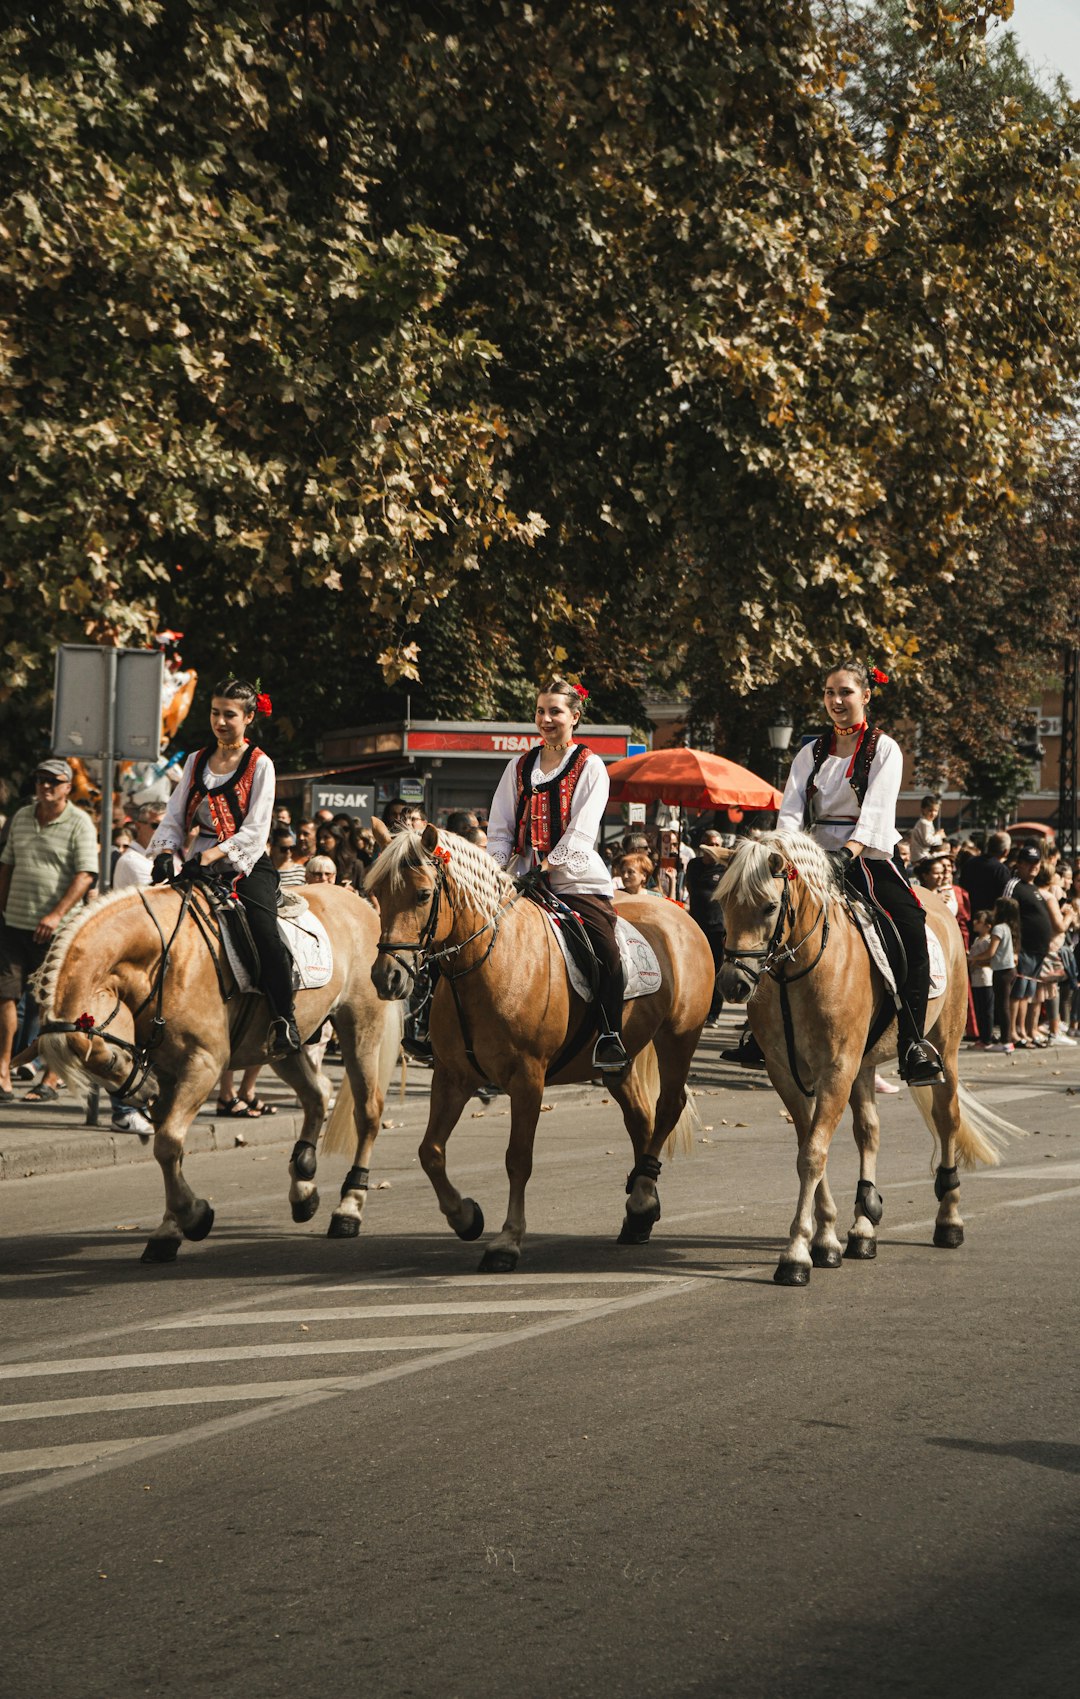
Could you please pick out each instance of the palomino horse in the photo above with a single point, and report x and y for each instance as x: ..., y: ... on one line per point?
x: 503, y: 1011
x: 140, y: 1001
x: 795, y: 951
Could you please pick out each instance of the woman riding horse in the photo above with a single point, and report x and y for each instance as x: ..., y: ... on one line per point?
x: 226, y: 797
x: 546, y: 815
x: 842, y: 789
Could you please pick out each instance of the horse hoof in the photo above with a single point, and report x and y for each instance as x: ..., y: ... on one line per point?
x: 476, y: 1225
x: 948, y: 1237
x: 498, y: 1262
x: 637, y: 1229
x: 160, y: 1250
x: 343, y: 1227
x: 304, y: 1208
x: 825, y: 1256
x: 791, y: 1274
x: 860, y: 1250
x: 202, y: 1219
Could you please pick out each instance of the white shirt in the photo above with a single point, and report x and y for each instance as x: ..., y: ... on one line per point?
x: 245, y: 847
x: 133, y: 868
x: 837, y: 815
x: 574, y: 864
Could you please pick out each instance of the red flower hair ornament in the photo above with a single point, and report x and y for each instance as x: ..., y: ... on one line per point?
x: 582, y: 692
x: 440, y: 854
x: 878, y: 676
x: 263, y: 704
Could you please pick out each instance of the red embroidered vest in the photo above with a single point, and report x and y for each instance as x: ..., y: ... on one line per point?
x: 228, y: 803
x: 543, y: 808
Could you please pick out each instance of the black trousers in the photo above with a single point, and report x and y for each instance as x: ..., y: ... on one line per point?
x: 881, y: 883
x: 259, y: 894
x: 597, y: 915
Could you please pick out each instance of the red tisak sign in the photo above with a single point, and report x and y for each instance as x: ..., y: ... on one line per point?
x: 501, y: 743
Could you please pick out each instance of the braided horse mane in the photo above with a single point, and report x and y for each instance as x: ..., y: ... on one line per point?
x: 750, y: 880
x: 473, y: 878
x: 43, y: 982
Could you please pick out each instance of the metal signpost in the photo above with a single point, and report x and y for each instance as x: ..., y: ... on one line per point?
x: 107, y: 708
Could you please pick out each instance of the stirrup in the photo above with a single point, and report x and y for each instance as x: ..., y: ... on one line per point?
x: 921, y: 1064
x: 749, y: 1053
x: 609, y: 1054
x: 282, y: 1037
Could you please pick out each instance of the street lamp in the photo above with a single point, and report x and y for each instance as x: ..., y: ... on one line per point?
x: 779, y: 740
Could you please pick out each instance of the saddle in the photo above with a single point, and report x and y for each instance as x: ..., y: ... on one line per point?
x: 641, y: 970
x: 885, y: 951
x: 302, y: 933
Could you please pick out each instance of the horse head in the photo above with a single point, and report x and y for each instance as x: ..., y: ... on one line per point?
x: 762, y: 895
x: 408, y: 880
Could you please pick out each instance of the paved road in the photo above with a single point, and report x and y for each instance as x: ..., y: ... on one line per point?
x: 286, y: 1464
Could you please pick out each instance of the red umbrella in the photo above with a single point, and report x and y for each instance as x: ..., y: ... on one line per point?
x: 691, y: 777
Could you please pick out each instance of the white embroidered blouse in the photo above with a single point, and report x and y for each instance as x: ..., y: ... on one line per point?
x: 574, y: 864
x: 245, y: 847
x: 837, y: 814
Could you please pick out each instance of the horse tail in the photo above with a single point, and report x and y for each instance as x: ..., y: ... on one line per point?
x: 340, y: 1135
x: 681, y: 1137
x: 981, y: 1136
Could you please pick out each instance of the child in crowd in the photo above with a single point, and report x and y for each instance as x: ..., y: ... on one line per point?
x: 984, y: 946
x: 1006, y: 929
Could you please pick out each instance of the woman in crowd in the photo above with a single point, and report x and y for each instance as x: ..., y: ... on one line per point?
x: 282, y: 845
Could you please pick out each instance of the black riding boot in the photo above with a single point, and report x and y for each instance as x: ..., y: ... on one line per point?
x: 415, y: 1040
x: 748, y: 1053
x: 919, y: 1062
x: 259, y: 893
x: 609, y: 1055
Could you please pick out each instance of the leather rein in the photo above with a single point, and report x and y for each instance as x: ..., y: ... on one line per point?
x: 142, y: 1054
x: 775, y: 956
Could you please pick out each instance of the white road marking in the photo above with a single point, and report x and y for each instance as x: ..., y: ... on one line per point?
x: 235, y: 1354
x: 1012, y: 1093
x: 425, y: 1282
x: 244, y: 1392
x: 1043, y: 1197
x: 478, y: 1344
x: 1035, y: 1171
x: 63, y: 1456
x: 382, y: 1312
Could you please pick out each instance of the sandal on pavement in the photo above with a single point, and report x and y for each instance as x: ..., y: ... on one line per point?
x: 42, y: 1094
x: 7, y: 1096
x: 234, y: 1108
x: 256, y: 1107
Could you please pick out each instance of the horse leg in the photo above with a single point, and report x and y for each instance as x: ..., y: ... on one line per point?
x: 186, y: 1216
x: 862, y: 1234
x: 361, y: 1046
x: 313, y: 1089
x: 634, y: 1097
x: 945, y: 1113
x: 826, y: 1250
x: 449, y: 1095
x: 815, y: 1135
x: 526, y: 1096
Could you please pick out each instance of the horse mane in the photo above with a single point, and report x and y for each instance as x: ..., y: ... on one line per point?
x: 749, y: 880
x: 474, y: 879
x: 43, y: 982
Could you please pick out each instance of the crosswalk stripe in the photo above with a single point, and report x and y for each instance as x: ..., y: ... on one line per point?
x: 63, y: 1456
x: 428, y: 1282
x: 237, y: 1354
x: 382, y: 1312
x: 245, y: 1392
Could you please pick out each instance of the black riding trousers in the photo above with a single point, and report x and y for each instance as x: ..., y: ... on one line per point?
x: 880, y: 882
x: 259, y: 894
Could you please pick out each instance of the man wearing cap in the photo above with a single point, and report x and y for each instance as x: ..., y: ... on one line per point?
x: 48, y: 864
x: 134, y: 866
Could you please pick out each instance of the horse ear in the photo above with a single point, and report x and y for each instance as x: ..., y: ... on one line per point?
x: 777, y: 864
x: 381, y: 833
x: 430, y: 838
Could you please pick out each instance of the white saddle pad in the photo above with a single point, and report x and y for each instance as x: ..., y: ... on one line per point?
x: 938, y: 976
x: 641, y: 970
x: 308, y: 945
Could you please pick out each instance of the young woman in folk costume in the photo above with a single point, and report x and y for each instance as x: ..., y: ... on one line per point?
x: 546, y: 815
x: 226, y: 798
x: 842, y: 789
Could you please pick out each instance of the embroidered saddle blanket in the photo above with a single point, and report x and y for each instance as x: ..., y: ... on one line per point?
x: 872, y: 939
x: 305, y: 938
x: 641, y: 970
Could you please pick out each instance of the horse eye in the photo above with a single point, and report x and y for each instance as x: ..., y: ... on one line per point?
x: 770, y: 908
x: 423, y: 896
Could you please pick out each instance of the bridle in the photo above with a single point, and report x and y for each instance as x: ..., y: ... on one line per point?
x: 422, y: 951
x: 775, y: 955
x: 141, y: 1054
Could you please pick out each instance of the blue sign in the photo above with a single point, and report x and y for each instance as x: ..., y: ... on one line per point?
x: 636, y: 748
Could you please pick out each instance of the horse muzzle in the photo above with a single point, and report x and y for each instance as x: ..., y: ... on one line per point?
x: 390, y: 978
x: 736, y: 983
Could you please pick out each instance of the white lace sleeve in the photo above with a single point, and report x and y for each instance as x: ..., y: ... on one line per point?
x: 245, y: 847
x: 790, y: 817
x: 171, y: 832
x: 574, y: 849
x: 500, y: 826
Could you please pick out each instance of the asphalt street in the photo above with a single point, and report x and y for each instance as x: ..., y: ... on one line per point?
x: 290, y: 1465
